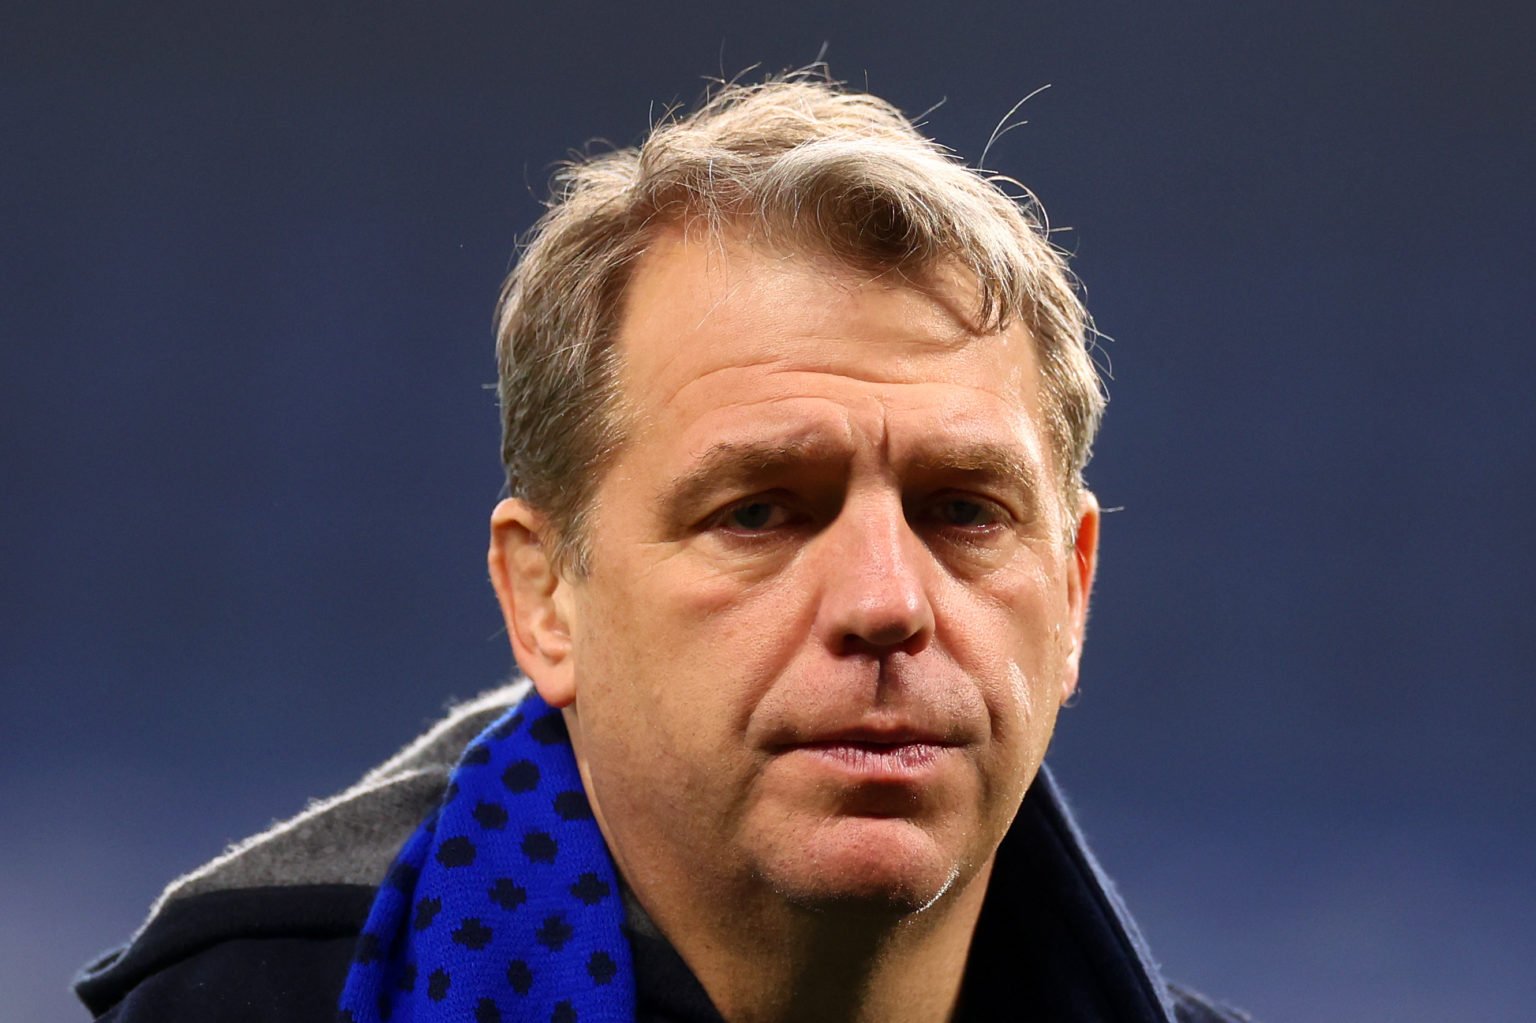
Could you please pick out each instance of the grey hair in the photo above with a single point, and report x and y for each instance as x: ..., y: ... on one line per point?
x: 796, y: 158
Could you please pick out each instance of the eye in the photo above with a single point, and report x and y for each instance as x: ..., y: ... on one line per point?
x: 754, y: 517
x: 960, y: 512
x: 965, y: 513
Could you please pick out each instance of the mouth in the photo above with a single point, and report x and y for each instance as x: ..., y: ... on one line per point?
x: 905, y: 757
x: 868, y: 756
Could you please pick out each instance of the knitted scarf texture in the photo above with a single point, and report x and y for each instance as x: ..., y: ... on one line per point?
x: 504, y: 905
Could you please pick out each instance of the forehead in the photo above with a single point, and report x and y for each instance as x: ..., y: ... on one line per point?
x: 702, y: 301
x: 721, y: 335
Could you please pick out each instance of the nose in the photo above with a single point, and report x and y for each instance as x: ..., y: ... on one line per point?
x: 875, y: 597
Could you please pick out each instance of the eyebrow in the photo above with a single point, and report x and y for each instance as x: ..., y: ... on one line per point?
x: 735, y: 464
x: 984, y: 462
x: 730, y: 465
x: 981, y: 460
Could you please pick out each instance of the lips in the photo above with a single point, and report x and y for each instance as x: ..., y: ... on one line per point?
x: 892, y: 754
x: 875, y: 737
x: 876, y: 757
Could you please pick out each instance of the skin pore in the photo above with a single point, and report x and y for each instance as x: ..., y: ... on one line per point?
x: 830, y: 617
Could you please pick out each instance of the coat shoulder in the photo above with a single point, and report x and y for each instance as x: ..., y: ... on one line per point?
x: 1193, y: 1007
x: 249, y: 956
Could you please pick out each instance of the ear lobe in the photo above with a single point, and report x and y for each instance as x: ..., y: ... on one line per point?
x: 1083, y: 561
x: 533, y: 600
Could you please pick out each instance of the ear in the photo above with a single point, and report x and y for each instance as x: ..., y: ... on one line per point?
x: 533, y: 598
x: 1084, y: 558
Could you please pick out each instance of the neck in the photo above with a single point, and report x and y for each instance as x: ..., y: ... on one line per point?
x: 762, y: 960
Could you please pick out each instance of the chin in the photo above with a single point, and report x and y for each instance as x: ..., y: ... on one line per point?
x: 882, y: 867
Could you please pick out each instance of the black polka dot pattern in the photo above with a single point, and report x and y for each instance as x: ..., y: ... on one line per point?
x: 369, y: 948
x: 491, y: 816
x: 549, y: 730
x: 507, y: 893
x: 539, y: 847
x: 456, y: 852
x: 554, y: 932
x: 502, y: 905
x: 522, y: 776
x: 590, y: 889
x: 572, y: 806
x: 601, y: 967
x: 403, y: 877
x: 426, y: 912
x: 471, y: 933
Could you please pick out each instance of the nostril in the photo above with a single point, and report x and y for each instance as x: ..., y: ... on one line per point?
x: 905, y: 637
x: 890, y: 635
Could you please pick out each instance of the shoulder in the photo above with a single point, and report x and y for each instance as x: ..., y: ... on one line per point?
x: 1192, y: 1007
x: 254, y: 955
x: 266, y: 930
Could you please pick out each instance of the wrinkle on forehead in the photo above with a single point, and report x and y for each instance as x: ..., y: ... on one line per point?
x: 741, y: 305
x: 894, y: 384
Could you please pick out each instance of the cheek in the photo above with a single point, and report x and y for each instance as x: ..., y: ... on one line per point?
x: 1017, y: 612
x: 683, y: 655
x: 741, y: 625
x: 1010, y: 633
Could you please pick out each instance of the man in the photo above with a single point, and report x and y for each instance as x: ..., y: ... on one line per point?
x: 797, y: 559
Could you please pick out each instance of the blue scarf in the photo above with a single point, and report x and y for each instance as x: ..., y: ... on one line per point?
x: 504, y: 905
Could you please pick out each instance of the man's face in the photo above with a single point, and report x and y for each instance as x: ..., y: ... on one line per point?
x: 831, y: 612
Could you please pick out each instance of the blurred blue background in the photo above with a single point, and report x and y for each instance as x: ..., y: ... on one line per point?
x: 249, y: 258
